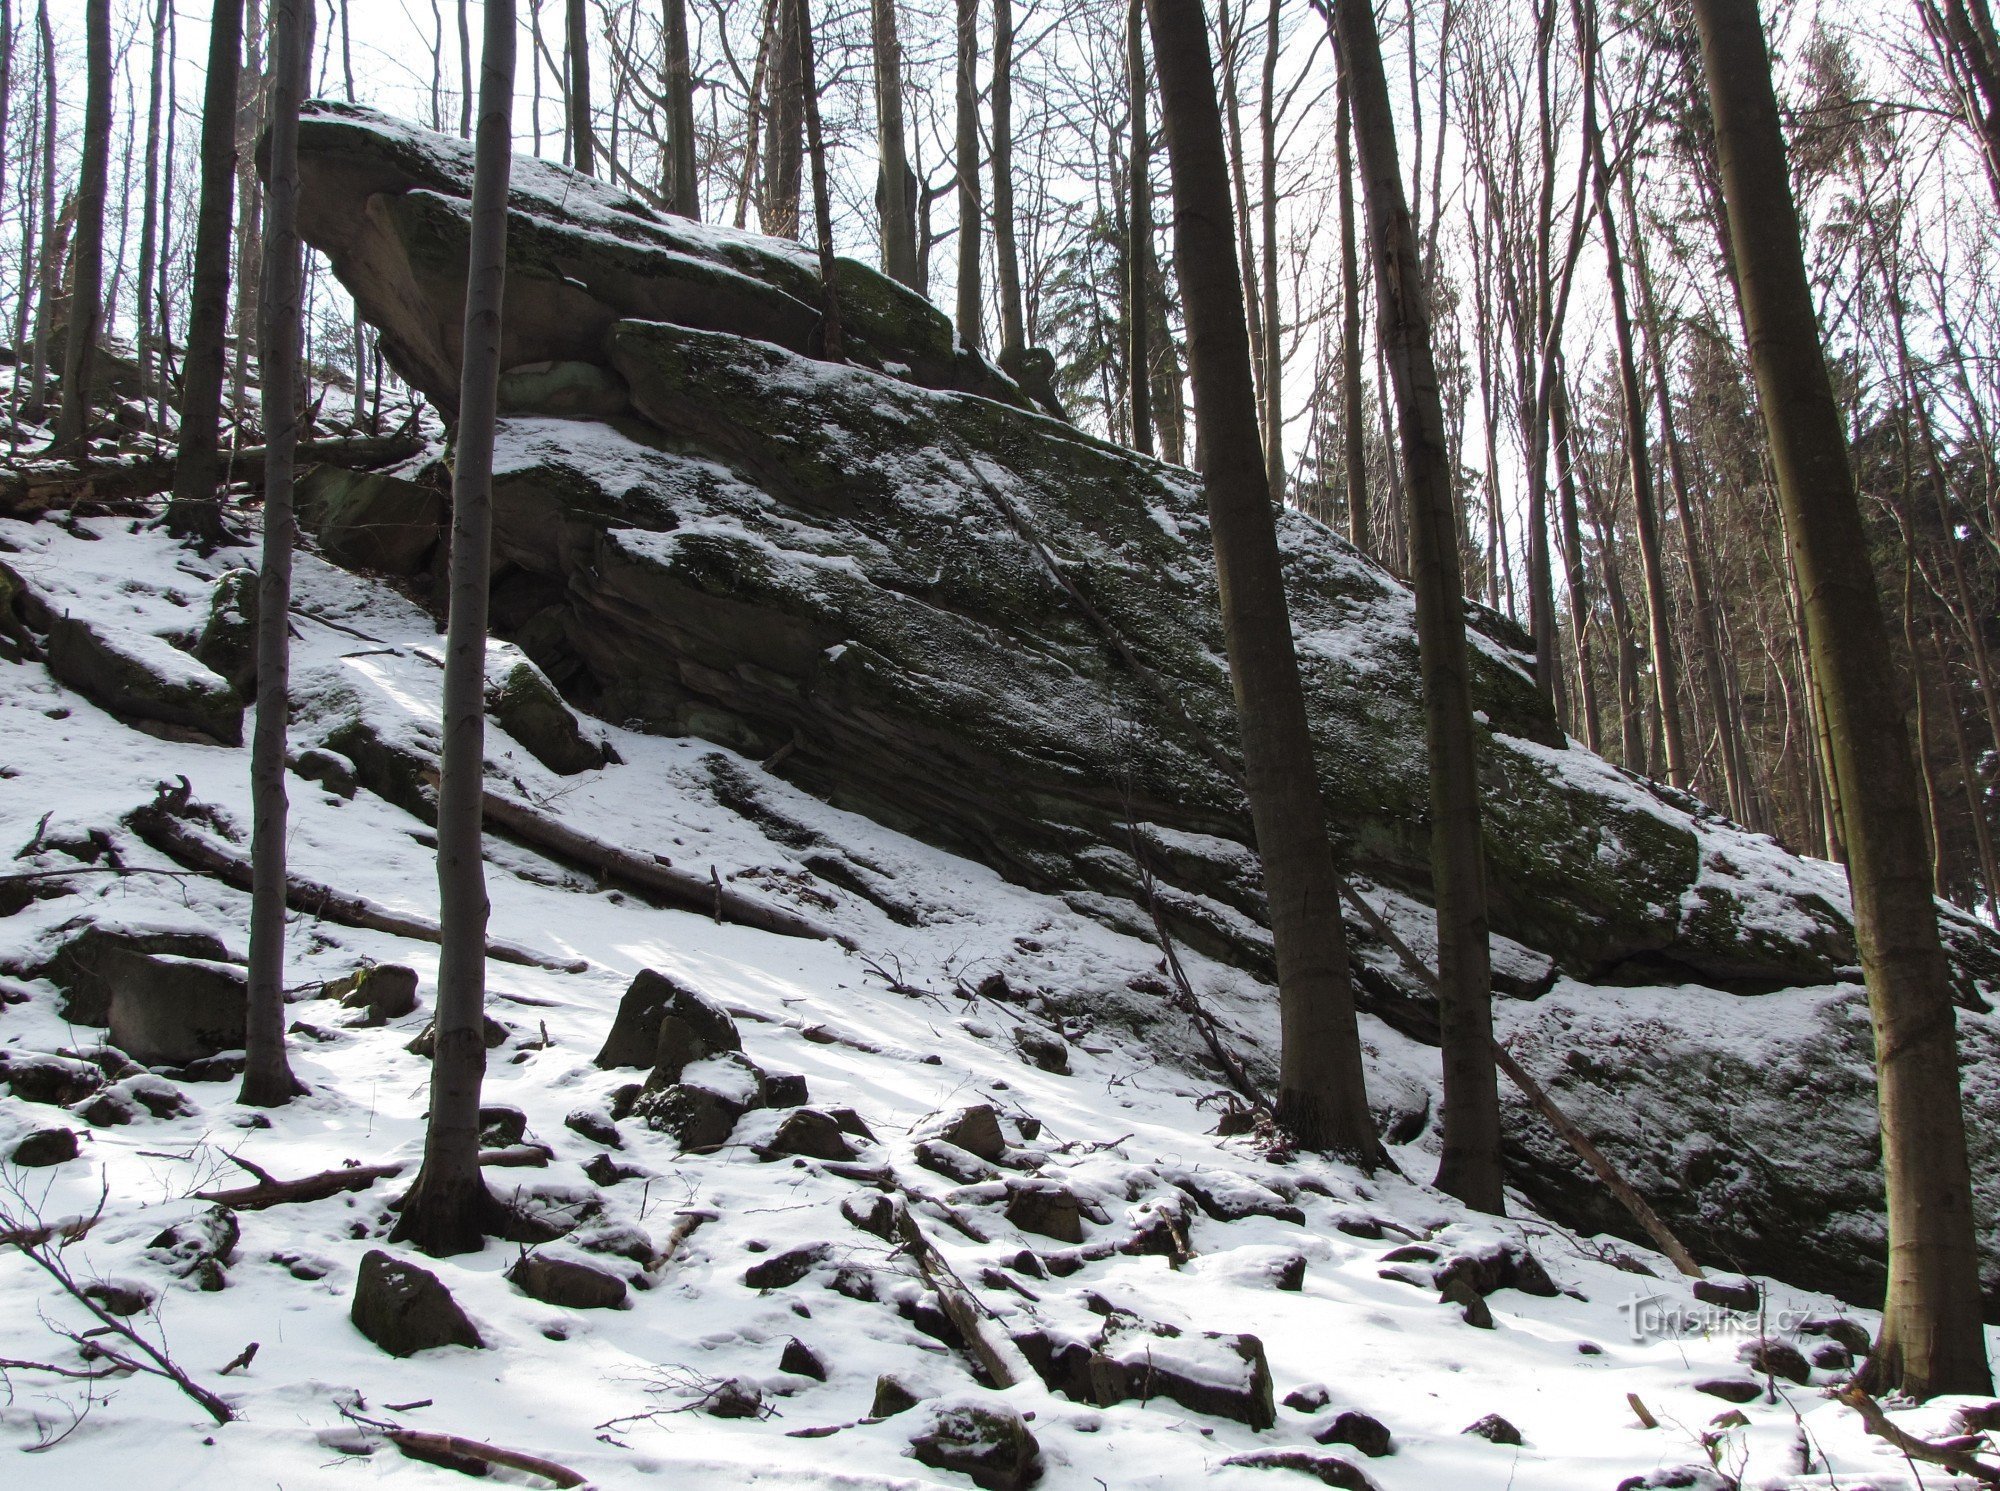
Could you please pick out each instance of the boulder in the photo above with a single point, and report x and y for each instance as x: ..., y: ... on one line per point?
x: 1365, y: 1432
x: 701, y: 1112
x: 381, y: 991
x: 1730, y: 1389
x: 1775, y: 1358
x: 228, y: 642
x: 405, y: 1309
x: 802, y: 1360
x: 526, y: 705
x: 1728, y: 1292
x: 144, y: 680
x: 807, y: 1131
x: 734, y: 1398
x: 1045, y: 1208
x: 169, y: 1010
x: 1494, y: 1429
x: 1849, y: 1333
x: 965, y: 1168
x: 120, y: 1297
x: 640, y: 1035
x: 1039, y: 1048
x: 35, y: 1077
x: 373, y: 520
x: 568, y: 1283
x: 87, y: 964
x: 330, y: 769
x: 45, y: 1147
x: 782, y: 1270
x: 200, y: 1247
x: 595, y: 1125
x: 976, y: 1130
x: 563, y: 389
x: 893, y: 1396
x: 1496, y: 1265
x: 986, y: 1440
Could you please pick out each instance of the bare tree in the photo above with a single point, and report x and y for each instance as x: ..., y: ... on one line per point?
x: 1470, y: 1169
x: 267, y: 1074
x: 1138, y: 234
x: 196, y: 508
x: 1006, y: 256
x: 896, y: 188
x: 1931, y: 1339
x: 1322, y: 1090
x: 965, y: 164
x: 583, y: 144
x: 683, y: 188
x: 86, y: 285
x: 449, y: 1208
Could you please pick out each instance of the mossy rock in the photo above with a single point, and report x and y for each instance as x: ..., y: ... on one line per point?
x: 228, y: 642
x: 526, y: 705
x: 144, y: 680
x: 370, y: 520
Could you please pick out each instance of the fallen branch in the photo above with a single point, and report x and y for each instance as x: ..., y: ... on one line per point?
x: 1599, y: 1162
x: 270, y: 1191
x: 1954, y: 1454
x: 159, y: 824
x: 420, y: 1444
x: 1000, y: 1357
x: 31, y: 488
x: 684, y: 1227
x: 643, y: 873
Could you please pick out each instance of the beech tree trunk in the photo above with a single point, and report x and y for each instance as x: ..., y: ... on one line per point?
x: 1138, y: 231
x: 86, y: 284
x: 784, y: 139
x: 1931, y: 1340
x: 965, y: 164
x: 1322, y: 1090
x: 1353, y: 428
x: 683, y: 189
x: 449, y: 1208
x: 1274, y: 345
x: 267, y: 1075
x: 896, y: 189
x: 583, y: 147
x: 195, y: 510
x: 1470, y: 1169
x: 1006, y: 256
x: 830, y: 335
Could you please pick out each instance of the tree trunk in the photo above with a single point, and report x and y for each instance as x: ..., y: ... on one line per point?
x: 149, y: 207
x: 1579, y: 601
x: 1138, y: 233
x: 1471, y: 1165
x: 778, y: 201
x: 1352, y: 424
x: 895, y: 192
x: 1274, y: 344
x: 448, y: 1209
x: 195, y: 511
x: 1006, y: 257
x: 267, y: 1075
x: 51, y: 255
x: 1931, y: 1340
x: 86, y: 287
x: 965, y: 164
x: 1666, y: 673
x: 249, y: 213
x: 830, y: 337
x: 683, y: 193
x: 1322, y: 1091
x: 583, y: 147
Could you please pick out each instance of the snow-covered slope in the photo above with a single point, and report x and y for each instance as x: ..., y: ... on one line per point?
x: 904, y: 1028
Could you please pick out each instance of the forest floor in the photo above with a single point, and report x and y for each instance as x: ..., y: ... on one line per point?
x: 896, y: 1030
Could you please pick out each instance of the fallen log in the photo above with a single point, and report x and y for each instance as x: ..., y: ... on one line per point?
x: 645, y: 874
x: 159, y: 825
x: 419, y: 1444
x: 31, y: 488
x: 270, y: 1191
x: 995, y: 1352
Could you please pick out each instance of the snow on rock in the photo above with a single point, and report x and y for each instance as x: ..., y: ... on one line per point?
x: 893, y: 1040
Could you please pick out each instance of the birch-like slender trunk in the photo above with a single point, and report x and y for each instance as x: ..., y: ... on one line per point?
x: 449, y: 1208
x: 267, y: 1075
x: 965, y: 163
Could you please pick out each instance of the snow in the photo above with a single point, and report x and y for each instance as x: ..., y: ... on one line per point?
x: 602, y: 1390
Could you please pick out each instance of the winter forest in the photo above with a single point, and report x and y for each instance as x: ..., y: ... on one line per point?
x: 1088, y: 744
